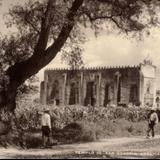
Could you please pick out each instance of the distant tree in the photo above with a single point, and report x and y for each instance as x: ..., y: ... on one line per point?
x: 44, y: 28
x: 74, y: 58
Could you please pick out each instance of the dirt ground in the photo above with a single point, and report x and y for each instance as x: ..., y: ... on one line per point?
x: 137, y: 147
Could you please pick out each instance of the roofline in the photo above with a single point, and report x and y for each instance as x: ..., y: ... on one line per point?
x: 93, y: 68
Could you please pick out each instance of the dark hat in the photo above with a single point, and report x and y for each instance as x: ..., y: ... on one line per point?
x: 46, y: 110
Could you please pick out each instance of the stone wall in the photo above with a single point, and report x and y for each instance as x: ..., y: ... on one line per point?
x: 149, y: 87
x: 96, y: 86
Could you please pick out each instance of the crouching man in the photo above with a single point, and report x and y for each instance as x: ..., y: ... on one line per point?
x: 152, y: 121
x: 46, y: 128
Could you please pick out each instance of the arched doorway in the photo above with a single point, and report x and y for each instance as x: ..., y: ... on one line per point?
x: 107, y: 97
x: 133, y: 94
x: 118, y: 82
x: 158, y: 101
x: 54, y: 97
x: 74, y: 94
x: 90, y: 94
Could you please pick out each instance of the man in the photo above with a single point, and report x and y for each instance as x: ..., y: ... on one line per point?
x: 153, y: 120
x: 46, y: 128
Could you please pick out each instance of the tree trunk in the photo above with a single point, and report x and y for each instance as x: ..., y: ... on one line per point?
x: 8, y: 97
x: 8, y: 124
x: 21, y: 71
x: 7, y: 107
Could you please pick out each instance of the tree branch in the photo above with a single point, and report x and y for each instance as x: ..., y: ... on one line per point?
x: 22, y: 71
x: 25, y: 17
x: 66, y: 29
x: 45, y: 30
x: 32, y: 25
x: 111, y: 17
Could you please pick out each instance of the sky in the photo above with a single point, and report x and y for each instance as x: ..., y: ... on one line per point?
x: 108, y: 49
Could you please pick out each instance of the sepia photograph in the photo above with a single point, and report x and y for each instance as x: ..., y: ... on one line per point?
x: 79, y: 79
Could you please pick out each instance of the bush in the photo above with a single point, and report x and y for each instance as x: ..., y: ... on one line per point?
x: 29, y: 115
x: 78, y: 132
x: 90, y: 132
x: 32, y: 140
x: 4, y: 128
x: 75, y: 123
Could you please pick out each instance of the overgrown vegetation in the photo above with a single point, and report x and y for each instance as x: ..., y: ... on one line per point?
x: 29, y: 114
x: 74, y: 124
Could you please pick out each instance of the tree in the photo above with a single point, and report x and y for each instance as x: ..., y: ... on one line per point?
x: 44, y: 28
x: 74, y: 58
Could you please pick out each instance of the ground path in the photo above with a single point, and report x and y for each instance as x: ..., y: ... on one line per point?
x: 137, y: 147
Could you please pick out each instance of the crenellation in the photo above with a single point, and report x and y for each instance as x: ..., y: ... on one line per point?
x: 96, y: 68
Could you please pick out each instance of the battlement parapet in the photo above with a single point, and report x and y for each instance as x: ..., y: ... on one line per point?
x: 96, y: 68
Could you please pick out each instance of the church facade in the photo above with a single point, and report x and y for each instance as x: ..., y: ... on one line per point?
x: 137, y: 85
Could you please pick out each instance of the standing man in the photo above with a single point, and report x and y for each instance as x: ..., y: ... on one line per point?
x: 152, y: 121
x: 46, y: 128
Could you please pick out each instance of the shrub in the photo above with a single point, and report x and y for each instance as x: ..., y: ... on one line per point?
x: 78, y: 132
x: 80, y: 124
x: 4, y: 128
x: 32, y: 140
x: 29, y: 114
x: 90, y: 132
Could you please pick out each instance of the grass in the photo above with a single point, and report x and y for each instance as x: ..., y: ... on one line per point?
x: 84, y: 131
x: 78, y: 124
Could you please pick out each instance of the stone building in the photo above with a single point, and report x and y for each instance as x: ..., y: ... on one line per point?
x: 102, y: 86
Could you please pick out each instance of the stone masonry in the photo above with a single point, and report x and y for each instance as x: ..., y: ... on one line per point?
x: 101, y: 86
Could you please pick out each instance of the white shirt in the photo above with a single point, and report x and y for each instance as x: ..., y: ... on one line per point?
x: 154, y: 117
x: 46, y: 120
